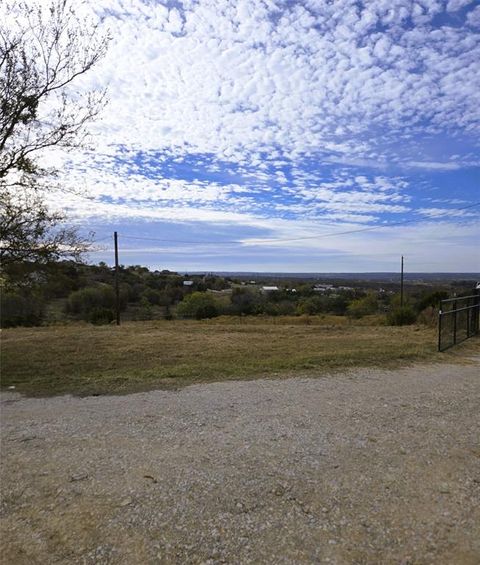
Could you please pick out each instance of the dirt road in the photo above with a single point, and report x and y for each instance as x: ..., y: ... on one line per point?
x: 367, y: 467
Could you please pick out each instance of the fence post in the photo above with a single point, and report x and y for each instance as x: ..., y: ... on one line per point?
x: 440, y: 315
x: 476, y: 312
x: 469, y: 320
x: 455, y: 323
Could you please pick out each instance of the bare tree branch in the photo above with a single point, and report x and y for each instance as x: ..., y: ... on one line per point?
x: 43, y: 52
x: 39, y: 58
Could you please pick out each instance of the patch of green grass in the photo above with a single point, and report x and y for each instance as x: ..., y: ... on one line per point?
x: 84, y: 359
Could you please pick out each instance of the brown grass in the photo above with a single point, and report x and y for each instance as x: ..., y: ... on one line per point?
x: 84, y: 359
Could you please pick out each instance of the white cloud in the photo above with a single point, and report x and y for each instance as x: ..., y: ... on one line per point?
x: 250, y: 86
x: 473, y: 17
x: 455, y: 5
x: 233, y: 79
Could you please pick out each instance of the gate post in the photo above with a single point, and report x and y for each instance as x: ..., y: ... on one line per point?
x: 455, y: 323
x: 440, y: 315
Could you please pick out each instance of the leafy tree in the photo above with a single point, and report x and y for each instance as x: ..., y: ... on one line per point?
x: 197, y: 305
x: 338, y: 305
x: 30, y: 233
x: 244, y: 301
x: 84, y: 302
x: 43, y: 51
x: 401, y: 316
x: 363, y: 306
x: 310, y: 305
x: 145, y: 311
x: 100, y: 316
x: 431, y: 299
x: 21, y: 308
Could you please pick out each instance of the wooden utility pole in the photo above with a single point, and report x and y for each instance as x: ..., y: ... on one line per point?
x: 401, y: 286
x: 117, y: 288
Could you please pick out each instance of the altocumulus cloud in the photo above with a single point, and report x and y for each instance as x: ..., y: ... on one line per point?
x: 261, y: 119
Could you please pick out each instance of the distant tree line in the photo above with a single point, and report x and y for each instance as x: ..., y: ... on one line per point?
x: 68, y: 291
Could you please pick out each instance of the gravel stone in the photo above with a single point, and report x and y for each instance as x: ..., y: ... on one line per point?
x: 370, y: 466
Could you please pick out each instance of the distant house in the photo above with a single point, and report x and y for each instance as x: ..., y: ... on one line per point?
x: 187, y: 283
x: 219, y: 292
x: 269, y: 288
x: 323, y: 287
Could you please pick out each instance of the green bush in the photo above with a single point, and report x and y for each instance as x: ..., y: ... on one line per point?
x: 281, y: 308
x: 363, y: 306
x: 144, y: 312
x: 245, y: 301
x: 21, y: 309
x: 198, y: 305
x: 431, y: 299
x: 99, y: 316
x: 83, y: 303
x: 401, y: 316
x: 311, y: 305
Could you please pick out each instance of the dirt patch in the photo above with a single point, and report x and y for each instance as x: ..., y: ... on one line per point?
x: 367, y: 467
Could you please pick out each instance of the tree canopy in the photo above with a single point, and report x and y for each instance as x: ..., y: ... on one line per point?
x: 43, y: 53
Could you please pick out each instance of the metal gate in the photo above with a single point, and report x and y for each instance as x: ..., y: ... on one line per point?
x: 458, y: 319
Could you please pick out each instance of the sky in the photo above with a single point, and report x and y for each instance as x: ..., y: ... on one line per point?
x: 293, y: 136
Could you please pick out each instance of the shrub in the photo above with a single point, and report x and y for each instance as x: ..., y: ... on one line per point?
x: 99, y: 316
x: 21, y: 310
x: 244, y: 301
x: 145, y: 311
x: 428, y: 317
x: 281, y: 308
x: 198, y: 305
x: 363, y: 306
x: 431, y: 299
x: 84, y: 302
x: 401, y: 316
x: 152, y: 296
x: 311, y: 305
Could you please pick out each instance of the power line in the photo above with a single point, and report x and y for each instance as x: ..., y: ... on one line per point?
x: 102, y: 239
x: 318, y: 236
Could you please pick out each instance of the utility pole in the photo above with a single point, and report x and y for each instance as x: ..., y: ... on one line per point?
x: 401, y: 286
x: 117, y: 288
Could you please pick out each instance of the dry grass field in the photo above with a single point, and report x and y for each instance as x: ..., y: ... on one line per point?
x: 86, y: 359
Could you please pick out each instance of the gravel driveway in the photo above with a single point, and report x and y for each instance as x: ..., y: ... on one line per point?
x: 367, y: 467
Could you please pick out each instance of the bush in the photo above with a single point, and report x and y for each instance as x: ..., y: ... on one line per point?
x: 431, y: 299
x: 311, y: 305
x: 21, y: 310
x: 281, y: 308
x: 244, y: 301
x: 152, y: 296
x: 145, y: 311
x: 363, y: 306
x: 85, y: 302
x: 99, y: 316
x: 401, y: 316
x: 428, y: 317
x: 198, y: 305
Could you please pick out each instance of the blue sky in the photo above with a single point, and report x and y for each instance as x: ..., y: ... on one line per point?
x: 251, y: 134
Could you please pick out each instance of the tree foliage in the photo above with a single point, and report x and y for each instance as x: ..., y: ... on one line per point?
x: 363, y: 306
x: 198, y: 305
x: 401, y: 316
x: 29, y: 232
x: 44, y: 50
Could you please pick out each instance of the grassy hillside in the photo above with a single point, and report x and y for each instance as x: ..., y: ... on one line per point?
x: 85, y: 359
